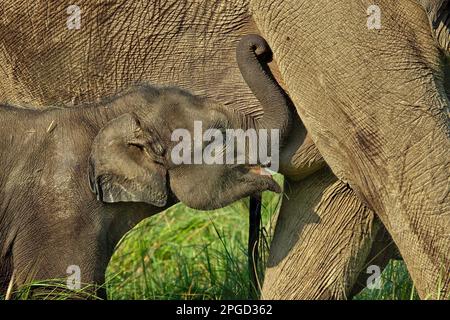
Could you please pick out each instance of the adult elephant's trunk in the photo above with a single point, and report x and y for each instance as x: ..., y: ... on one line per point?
x: 253, y: 53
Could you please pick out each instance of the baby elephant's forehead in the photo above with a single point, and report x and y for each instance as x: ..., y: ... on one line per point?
x: 179, y: 102
x: 181, y: 109
x: 176, y: 105
x: 181, y: 96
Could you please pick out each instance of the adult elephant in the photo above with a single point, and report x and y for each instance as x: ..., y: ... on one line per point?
x: 375, y: 104
x: 47, y: 60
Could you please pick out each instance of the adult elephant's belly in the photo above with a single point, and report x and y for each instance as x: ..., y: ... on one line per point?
x: 299, y: 156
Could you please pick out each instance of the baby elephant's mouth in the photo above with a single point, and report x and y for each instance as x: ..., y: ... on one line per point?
x: 261, y: 170
x: 266, y: 176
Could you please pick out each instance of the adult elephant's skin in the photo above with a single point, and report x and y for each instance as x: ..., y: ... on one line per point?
x: 328, y: 232
x: 120, y: 149
x: 190, y: 44
x: 375, y: 105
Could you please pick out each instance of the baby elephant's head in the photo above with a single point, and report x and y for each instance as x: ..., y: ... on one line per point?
x: 135, y: 158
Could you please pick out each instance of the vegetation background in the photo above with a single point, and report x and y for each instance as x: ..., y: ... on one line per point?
x: 194, y: 255
x: 188, y: 254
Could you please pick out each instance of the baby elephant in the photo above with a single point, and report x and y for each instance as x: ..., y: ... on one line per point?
x: 73, y: 181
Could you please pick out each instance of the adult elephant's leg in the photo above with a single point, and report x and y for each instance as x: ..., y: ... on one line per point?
x: 375, y: 106
x: 321, y: 241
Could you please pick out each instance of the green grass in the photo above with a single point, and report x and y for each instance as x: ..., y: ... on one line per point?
x: 396, y: 284
x: 188, y: 254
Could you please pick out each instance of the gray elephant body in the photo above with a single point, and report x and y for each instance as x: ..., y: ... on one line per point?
x: 50, y: 219
x: 376, y: 107
x: 192, y: 45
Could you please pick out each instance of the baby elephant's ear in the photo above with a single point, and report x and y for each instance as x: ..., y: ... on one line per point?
x: 125, y: 163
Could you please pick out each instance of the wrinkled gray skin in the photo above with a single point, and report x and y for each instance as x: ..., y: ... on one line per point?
x: 376, y: 106
x: 120, y: 150
x: 252, y: 55
x: 373, y: 102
